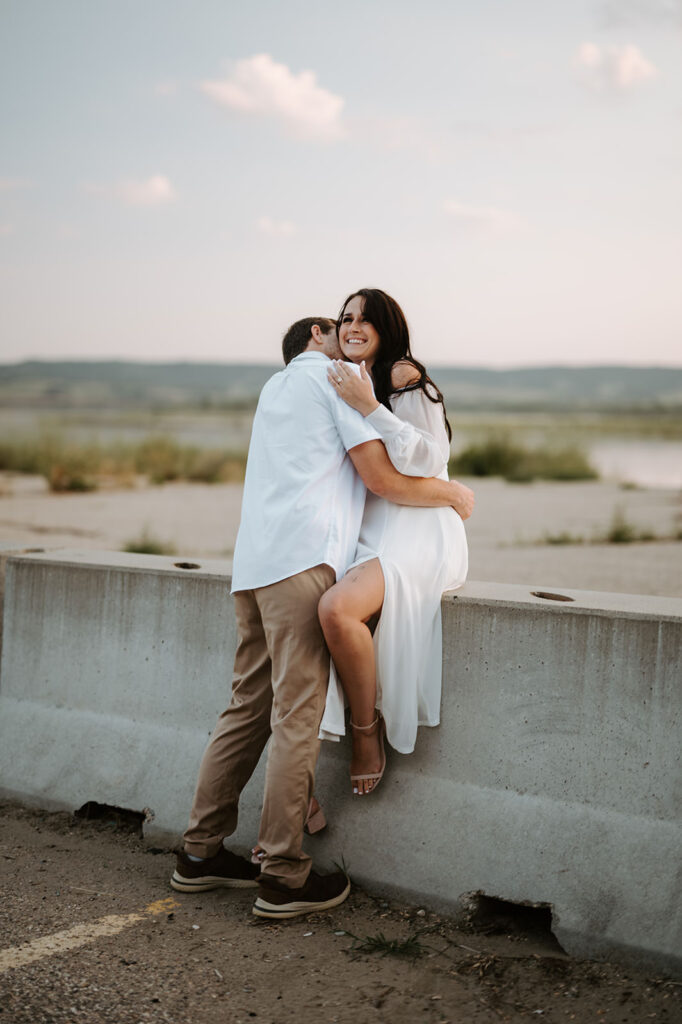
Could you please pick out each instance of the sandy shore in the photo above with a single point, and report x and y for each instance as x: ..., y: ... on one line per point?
x: 506, y: 532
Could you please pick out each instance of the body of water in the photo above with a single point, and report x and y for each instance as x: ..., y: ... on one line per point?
x: 646, y: 463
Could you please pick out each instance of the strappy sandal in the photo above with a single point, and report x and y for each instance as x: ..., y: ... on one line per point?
x: 374, y: 777
x: 315, y: 821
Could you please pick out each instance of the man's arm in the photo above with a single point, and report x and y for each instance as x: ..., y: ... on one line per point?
x: 380, y: 476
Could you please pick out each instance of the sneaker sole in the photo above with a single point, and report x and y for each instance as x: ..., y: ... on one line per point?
x: 209, y: 882
x: 262, y: 908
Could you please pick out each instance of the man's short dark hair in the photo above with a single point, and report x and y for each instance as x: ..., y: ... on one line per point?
x: 297, y: 337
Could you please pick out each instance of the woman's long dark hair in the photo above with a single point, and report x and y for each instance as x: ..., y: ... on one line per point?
x: 389, y: 321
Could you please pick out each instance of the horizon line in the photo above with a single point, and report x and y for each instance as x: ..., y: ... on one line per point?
x: 499, y: 367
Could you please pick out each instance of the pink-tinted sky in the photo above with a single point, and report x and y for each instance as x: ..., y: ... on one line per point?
x: 181, y: 180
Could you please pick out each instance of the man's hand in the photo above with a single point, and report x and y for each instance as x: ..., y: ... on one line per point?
x: 463, y: 499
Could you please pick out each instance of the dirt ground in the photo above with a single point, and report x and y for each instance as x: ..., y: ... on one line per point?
x: 153, y: 955
x: 506, y: 534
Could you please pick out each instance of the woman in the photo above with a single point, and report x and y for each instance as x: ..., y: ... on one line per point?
x: 406, y: 556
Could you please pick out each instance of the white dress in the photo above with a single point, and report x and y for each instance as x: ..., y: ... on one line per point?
x: 423, y: 551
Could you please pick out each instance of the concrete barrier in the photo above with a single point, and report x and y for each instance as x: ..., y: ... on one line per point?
x: 8, y: 548
x: 554, y: 778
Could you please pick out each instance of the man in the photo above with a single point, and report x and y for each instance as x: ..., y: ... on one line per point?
x: 301, y: 514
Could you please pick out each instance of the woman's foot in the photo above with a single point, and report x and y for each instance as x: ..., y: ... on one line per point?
x: 368, y: 760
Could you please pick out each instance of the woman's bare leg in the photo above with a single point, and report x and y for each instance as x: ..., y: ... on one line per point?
x: 344, y: 613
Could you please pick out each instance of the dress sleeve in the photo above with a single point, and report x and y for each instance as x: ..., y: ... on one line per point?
x: 414, y: 434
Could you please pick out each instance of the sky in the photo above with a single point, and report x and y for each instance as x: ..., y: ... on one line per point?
x: 182, y: 179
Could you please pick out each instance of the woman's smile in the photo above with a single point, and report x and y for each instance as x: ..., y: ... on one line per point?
x: 358, y: 338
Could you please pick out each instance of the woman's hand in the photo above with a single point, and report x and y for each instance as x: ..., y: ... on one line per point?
x: 355, y: 391
x: 462, y: 499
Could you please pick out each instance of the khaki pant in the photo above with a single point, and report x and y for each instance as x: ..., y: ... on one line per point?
x: 279, y: 688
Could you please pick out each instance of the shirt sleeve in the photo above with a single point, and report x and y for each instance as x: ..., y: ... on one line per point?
x: 353, y: 427
x: 414, y: 434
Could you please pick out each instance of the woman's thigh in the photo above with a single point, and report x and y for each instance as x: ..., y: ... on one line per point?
x: 359, y: 594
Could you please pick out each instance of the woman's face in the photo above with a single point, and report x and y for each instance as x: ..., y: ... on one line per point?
x: 358, y: 338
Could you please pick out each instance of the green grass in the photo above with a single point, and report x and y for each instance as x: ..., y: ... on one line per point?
x: 621, y: 531
x: 498, y: 456
x: 147, y: 544
x: 563, y: 538
x: 410, y: 947
x: 66, y: 467
x: 70, y: 466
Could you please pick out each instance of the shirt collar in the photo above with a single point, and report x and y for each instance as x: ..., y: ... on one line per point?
x: 305, y: 357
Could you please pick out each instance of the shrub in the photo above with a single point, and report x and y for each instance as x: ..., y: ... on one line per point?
x: 69, y: 477
x: 74, y: 467
x: 212, y: 467
x: 563, y: 464
x: 147, y: 544
x: 65, y: 467
x: 499, y: 457
x: 161, y: 459
x: 494, y: 457
x: 563, y: 538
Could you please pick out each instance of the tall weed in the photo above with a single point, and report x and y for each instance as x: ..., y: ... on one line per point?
x: 497, y: 456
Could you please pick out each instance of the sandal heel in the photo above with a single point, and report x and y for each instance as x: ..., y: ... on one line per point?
x: 315, y: 820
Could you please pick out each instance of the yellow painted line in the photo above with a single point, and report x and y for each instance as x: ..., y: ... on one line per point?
x: 161, y: 906
x: 79, y: 935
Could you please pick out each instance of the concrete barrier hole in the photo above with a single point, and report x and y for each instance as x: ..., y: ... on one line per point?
x: 489, y: 915
x: 186, y: 565
x: 32, y: 551
x: 119, y: 819
x: 547, y: 596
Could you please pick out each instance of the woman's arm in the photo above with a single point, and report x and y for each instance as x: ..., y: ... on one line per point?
x: 415, y: 439
x: 381, y: 477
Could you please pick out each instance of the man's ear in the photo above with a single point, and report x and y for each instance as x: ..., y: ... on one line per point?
x: 317, y: 335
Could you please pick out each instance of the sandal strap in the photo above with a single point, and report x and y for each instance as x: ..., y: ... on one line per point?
x: 367, y: 778
x: 364, y: 728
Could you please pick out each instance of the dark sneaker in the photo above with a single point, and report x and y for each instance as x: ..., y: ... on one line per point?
x: 224, y: 871
x: 320, y: 892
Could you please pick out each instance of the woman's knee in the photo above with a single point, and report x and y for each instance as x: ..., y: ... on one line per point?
x: 332, y: 610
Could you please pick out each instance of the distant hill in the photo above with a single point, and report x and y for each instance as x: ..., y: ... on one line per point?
x: 119, y: 383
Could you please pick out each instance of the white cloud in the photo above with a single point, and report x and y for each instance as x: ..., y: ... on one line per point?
x: 268, y: 226
x: 612, y: 67
x: 154, y: 191
x: 481, y: 218
x: 261, y: 87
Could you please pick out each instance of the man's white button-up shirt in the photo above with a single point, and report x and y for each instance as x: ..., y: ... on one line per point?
x: 303, y: 500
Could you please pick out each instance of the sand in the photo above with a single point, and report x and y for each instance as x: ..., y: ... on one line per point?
x: 506, y: 533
